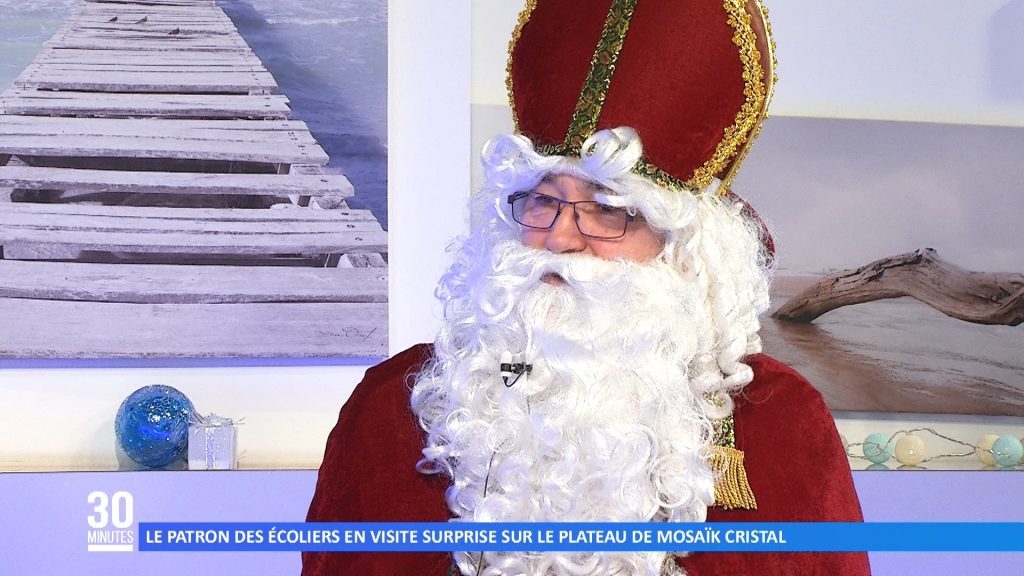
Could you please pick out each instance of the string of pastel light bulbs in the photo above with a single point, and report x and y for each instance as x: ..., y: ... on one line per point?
x: 1006, y: 451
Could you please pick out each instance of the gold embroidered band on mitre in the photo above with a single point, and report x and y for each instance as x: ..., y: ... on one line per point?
x: 736, y: 139
x: 599, y: 78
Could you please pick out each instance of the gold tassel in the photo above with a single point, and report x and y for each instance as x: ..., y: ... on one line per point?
x: 731, y: 487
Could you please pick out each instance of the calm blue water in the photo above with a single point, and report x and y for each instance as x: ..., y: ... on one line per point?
x: 25, y: 25
x: 328, y: 56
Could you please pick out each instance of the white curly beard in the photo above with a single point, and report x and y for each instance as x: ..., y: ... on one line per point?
x: 606, y: 427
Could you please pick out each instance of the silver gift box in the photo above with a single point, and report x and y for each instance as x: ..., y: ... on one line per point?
x: 212, y: 444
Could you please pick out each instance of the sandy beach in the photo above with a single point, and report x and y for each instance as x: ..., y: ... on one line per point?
x: 900, y: 355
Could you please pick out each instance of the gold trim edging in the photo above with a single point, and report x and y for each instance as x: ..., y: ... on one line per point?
x: 750, y: 114
x: 524, y: 17
x: 736, y: 138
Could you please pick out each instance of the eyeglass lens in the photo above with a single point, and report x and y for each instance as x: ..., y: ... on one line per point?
x: 592, y: 218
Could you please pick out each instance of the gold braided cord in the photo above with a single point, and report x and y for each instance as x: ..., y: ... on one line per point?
x: 524, y: 17
x: 642, y: 168
x: 750, y: 113
x: 732, y: 490
x: 662, y: 178
x: 774, y: 63
x: 599, y: 78
x: 772, y: 54
x: 670, y: 567
x: 724, y: 432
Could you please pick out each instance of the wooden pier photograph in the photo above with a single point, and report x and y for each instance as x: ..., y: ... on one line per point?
x: 193, y: 179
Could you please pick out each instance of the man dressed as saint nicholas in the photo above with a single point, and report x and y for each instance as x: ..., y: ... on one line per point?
x: 599, y: 358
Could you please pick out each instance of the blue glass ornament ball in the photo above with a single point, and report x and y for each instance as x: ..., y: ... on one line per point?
x: 877, y: 448
x: 152, y: 425
x: 1008, y: 451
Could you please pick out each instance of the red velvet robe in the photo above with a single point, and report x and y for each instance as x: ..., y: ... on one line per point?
x: 793, y: 459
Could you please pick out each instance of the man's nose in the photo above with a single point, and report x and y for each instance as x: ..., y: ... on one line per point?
x: 564, y: 235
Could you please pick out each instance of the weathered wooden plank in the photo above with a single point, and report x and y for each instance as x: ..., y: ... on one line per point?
x: 160, y: 3
x: 156, y: 3
x: 123, y: 229
x: 184, y: 128
x: 159, y: 9
x: 175, y: 35
x: 147, y: 7
x: 142, y: 10
x: 169, y: 284
x: 100, y: 9
x: 148, y: 105
x: 146, y: 28
x: 55, y: 329
x: 254, y: 131
x: 146, y: 19
x: 73, y: 180
x: 369, y: 260
x: 148, y: 65
x: 146, y: 25
x: 99, y: 74
x: 212, y: 214
x: 91, y: 146
x: 141, y: 15
x: 171, y: 43
x: 133, y: 13
x: 233, y: 244
x: 134, y: 16
x: 213, y: 83
x: 213, y: 31
x: 94, y: 9
x: 154, y: 28
x: 90, y: 7
x: 152, y: 2
x: 183, y: 27
x: 52, y: 68
x: 125, y: 23
x: 184, y: 57
x: 187, y: 81
x: 116, y: 220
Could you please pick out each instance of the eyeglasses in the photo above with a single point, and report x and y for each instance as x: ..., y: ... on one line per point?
x: 593, y: 219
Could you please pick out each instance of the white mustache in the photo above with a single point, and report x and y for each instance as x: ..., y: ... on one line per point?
x: 525, y: 266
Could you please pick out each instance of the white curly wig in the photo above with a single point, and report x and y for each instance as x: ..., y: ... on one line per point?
x: 514, y: 454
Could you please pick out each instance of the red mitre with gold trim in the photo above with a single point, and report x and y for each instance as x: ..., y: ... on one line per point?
x: 693, y: 78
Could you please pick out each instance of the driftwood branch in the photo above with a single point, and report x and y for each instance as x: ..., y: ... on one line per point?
x: 979, y: 297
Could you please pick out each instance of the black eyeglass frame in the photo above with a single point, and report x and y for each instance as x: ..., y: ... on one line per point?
x: 575, y: 215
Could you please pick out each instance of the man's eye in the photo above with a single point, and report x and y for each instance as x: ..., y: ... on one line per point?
x: 542, y: 200
x: 599, y: 209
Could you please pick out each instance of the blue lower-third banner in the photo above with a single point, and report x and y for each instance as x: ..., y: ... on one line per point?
x: 582, y: 537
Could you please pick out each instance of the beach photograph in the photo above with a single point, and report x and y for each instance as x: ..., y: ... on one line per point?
x: 193, y: 180
x: 869, y: 210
